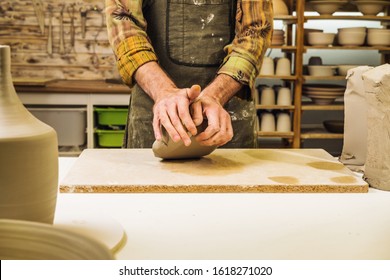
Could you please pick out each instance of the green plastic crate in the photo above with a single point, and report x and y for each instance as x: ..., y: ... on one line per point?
x: 111, y: 115
x: 110, y: 138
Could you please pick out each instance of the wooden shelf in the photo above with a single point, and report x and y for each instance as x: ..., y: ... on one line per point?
x: 345, y: 17
x: 287, y: 19
x: 319, y: 135
x: 323, y: 78
x: 366, y: 48
x: 290, y: 78
x: 276, y: 134
x: 337, y: 106
x: 284, y: 48
x: 274, y: 107
x: 318, y: 132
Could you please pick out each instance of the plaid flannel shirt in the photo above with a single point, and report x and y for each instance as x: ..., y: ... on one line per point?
x: 127, y: 35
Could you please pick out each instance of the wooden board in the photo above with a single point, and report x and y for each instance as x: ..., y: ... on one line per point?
x: 225, y: 170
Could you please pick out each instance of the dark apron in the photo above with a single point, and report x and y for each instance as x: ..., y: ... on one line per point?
x: 188, y: 37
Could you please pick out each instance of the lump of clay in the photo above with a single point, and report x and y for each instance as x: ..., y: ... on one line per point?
x: 167, y: 149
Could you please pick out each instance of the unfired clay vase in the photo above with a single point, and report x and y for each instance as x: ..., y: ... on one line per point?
x: 28, y: 156
x: 167, y: 149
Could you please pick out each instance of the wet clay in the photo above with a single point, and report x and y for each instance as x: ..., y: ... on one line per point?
x: 167, y: 149
x: 344, y: 179
x: 325, y: 165
x: 285, y: 180
x: 28, y: 156
x: 220, y: 166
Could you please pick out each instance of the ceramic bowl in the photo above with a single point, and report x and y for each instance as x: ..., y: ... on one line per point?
x: 343, y: 69
x: 23, y: 240
x: 370, y: 7
x: 306, y: 32
x: 334, y: 126
x: 280, y: 8
x: 315, y: 60
x: 327, y: 7
x: 321, y: 70
x: 378, y: 39
x: 353, y: 29
x: 378, y: 31
x: 351, y: 38
x: 320, y: 38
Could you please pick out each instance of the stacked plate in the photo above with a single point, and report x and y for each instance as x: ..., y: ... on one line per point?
x: 278, y: 37
x: 323, y: 94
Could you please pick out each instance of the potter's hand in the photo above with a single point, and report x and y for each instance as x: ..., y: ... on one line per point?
x: 219, y: 130
x: 171, y: 110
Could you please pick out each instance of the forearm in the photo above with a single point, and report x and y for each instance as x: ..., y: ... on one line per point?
x: 153, y: 80
x: 222, y: 88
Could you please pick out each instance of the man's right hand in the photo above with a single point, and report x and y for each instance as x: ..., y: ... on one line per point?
x: 171, y: 110
x: 171, y: 104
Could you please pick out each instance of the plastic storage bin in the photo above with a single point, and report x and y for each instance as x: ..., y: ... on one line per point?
x: 110, y: 138
x: 69, y: 123
x: 111, y: 115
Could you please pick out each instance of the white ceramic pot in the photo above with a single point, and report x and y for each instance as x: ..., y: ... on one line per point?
x: 267, y: 96
x: 284, y: 97
x: 267, y: 122
x: 283, y: 122
x: 283, y: 67
x: 267, y: 67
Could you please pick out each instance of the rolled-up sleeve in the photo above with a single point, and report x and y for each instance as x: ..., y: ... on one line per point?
x: 126, y: 28
x: 254, y: 25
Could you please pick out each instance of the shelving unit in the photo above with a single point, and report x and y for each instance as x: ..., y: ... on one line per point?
x: 295, y: 49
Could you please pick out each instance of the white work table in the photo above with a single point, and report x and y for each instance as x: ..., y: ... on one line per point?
x: 241, y: 226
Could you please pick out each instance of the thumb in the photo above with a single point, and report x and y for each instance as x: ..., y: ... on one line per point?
x: 196, y: 107
x: 193, y: 92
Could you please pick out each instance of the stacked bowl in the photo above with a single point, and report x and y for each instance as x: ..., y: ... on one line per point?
x: 351, y: 36
x: 378, y: 37
x: 323, y: 94
x: 370, y: 7
x: 278, y: 37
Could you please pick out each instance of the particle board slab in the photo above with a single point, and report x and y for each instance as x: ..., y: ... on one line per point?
x: 223, y: 171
